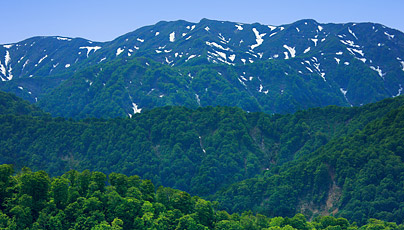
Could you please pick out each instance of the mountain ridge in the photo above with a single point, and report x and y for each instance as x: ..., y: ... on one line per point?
x: 263, y: 66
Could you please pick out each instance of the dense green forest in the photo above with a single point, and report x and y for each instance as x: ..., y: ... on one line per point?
x: 333, y: 160
x: 91, y: 200
x: 199, y: 151
x: 356, y: 176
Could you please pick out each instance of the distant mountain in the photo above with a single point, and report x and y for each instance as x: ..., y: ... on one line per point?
x: 275, y: 69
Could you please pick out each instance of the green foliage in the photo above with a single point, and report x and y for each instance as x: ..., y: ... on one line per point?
x: 356, y: 176
x: 342, y: 161
x: 11, y: 104
x: 106, y: 209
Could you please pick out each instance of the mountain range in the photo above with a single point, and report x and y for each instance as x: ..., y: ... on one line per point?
x: 222, y: 110
x: 274, y: 69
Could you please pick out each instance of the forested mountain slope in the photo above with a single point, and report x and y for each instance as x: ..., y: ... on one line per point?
x: 296, y: 162
x: 273, y: 69
x: 358, y: 176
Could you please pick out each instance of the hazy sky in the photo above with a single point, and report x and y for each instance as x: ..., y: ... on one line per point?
x: 104, y: 20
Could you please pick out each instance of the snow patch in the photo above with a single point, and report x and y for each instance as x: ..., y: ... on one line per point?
x: 242, y: 82
x: 232, y: 57
x: 172, y: 37
x: 339, y: 53
x: 272, y: 27
x: 291, y: 50
x: 239, y: 27
x: 320, y: 28
x: 119, y: 51
x: 315, y: 40
x: 346, y: 63
x: 135, y: 108
x: 273, y: 34
x: 400, y: 90
x: 353, y: 34
x: 323, y: 76
x: 359, y: 52
x: 345, y: 92
x: 207, y: 28
x: 190, y: 57
x: 389, y: 35
x: 198, y: 100
x: 337, y: 60
x: 40, y: 60
x: 378, y: 70
x: 63, y: 39
x: 67, y: 65
x: 349, y: 43
x: 21, y: 59
x: 316, y: 65
x: 298, y: 30
x: 402, y: 65
x: 3, y: 71
x: 89, y: 48
x: 7, y: 58
x: 223, y: 55
x: 10, y: 75
x: 258, y: 39
x: 26, y: 63
x: 217, y: 46
x: 261, y: 88
x: 306, y: 50
x: 168, y: 62
x: 361, y: 59
x: 140, y: 40
x: 157, y: 33
x: 223, y: 39
x: 20, y: 87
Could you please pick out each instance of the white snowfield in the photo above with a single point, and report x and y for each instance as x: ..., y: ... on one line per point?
x: 89, y: 49
x: 258, y: 39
